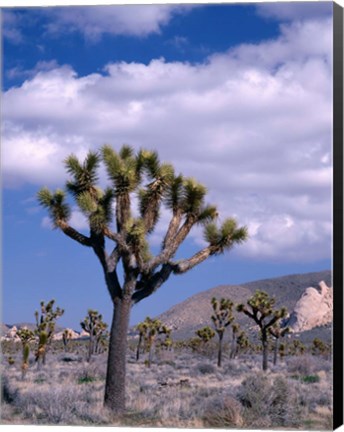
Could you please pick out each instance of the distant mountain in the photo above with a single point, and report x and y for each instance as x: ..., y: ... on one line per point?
x: 195, y: 312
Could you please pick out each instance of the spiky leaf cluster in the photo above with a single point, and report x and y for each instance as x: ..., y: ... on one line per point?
x: 25, y: 335
x: 223, y: 314
x: 84, y: 174
x: 225, y: 236
x: 58, y: 209
x: 205, y: 334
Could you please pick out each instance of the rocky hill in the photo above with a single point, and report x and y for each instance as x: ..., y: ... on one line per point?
x: 195, y: 312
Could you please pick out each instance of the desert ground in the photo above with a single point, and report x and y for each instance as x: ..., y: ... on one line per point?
x: 183, y: 387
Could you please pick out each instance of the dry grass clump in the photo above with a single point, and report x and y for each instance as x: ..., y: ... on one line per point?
x: 223, y: 413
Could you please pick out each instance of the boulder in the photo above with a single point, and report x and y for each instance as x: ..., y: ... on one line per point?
x: 314, y: 308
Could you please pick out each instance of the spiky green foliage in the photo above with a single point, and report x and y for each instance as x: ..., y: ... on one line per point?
x: 225, y: 236
x: 205, y: 334
x: 94, y: 325
x: 122, y: 168
x: 58, y: 209
x: 84, y: 174
x: 45, y: 326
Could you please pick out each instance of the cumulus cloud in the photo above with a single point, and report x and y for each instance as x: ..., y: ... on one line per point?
x: 253, y: 124
x: 92, y: 22
x: 295, y: 10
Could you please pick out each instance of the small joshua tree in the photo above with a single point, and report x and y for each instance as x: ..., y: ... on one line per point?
x: 242, y: 342
x: 93, y: 325
x: 45, y: 327
x: 26, y: 336
x: 260, y: 309
x: 276, y: 331
x: 142, y: 329
x: 221, y: 318
x: 66, y: 337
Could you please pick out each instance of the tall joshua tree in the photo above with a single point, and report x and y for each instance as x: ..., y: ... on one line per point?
x: 155, y: 184
x: 260, y: 309
x: 221, y: 318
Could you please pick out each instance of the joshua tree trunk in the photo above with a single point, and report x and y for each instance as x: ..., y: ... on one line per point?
x: 116, y: 366
x: 275, y: 351
x: 219, y: 357
x: 265, y: 350
x: 90, y: 348
x: 139, y: 348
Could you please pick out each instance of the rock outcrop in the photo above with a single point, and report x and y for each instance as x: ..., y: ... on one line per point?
x: 313, y: 309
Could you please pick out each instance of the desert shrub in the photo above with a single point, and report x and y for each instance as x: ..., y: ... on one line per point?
x: 310, y: 379
x: 223, y: 413
x: 8, y: 393
x: 303, y: 365
x: 206, y: 368
x: 269, y: 403
x: 235, y: 368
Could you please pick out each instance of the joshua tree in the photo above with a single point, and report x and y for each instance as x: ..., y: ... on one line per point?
x: 221, y: 318
x: 276, y: 331
x: 66, y: 337
x: 142, y: 329
x: 93, y: 325
x: 234, y: 344
x: 242, y: 342
x: 45, y: 326
x: 155, y: 184
x: 297, y: 348
x: 26, y: 336
x: 320, y: 347
x: 260, y: 309
x: 149, y: 330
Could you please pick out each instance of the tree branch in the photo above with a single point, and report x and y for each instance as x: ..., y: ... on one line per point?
x: 74, y: 234
x: 150, y: 284
x: 187, y: 264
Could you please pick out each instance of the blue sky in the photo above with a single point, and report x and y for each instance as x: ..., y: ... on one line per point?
x: 238, y: 96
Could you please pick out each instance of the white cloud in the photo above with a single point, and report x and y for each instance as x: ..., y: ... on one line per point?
x: 95, y: 21
x: 294, y: 10
x: 253, y: 124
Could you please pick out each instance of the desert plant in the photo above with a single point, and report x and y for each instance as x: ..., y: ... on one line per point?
x: 260, y: 309
x: 242, y: 342
x: 94, y: 325
x: 26, y: 336
x: 234, y: 343
x: 66, y: 337
x: 45, y: 326
x: 296, y: 348
x: 143, y: 273
x: 319, y: 347
x: 277, y: 332
x: 221, y: 318
x: 205, y: 334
